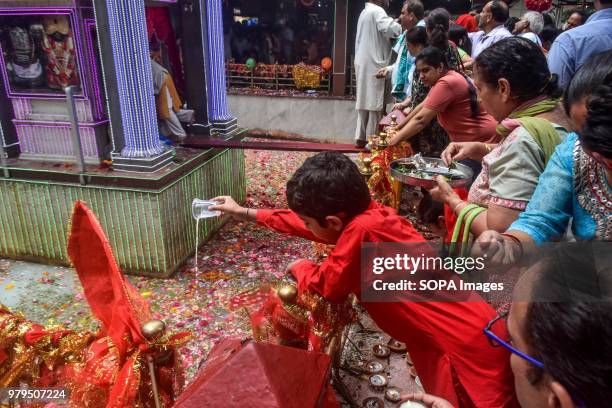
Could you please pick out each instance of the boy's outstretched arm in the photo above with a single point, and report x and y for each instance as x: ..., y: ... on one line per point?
x: 284, y: 221
x: 228, y: 206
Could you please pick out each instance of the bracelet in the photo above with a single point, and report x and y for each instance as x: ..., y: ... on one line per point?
x: 516, y: 241
x: 487, y: 148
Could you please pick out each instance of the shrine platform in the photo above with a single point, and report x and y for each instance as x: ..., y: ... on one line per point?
x: 147, y: 217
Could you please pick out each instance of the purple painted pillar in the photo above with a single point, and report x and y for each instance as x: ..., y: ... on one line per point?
x: 218, y: 113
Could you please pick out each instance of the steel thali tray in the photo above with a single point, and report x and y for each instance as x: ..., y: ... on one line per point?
x: 461, y: 174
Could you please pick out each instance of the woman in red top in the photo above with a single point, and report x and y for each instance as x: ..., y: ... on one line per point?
x: 452, y: 99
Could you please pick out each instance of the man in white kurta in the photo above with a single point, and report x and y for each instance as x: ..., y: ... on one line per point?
x: 411, y: 16
x: 372, y: 52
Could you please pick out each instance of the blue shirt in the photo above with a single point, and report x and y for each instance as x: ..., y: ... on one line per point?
x: 555, y: 201
x: 482, y: 41
x: 574, y: 47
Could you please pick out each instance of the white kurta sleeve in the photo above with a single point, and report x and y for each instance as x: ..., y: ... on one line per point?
x: 387, y: 26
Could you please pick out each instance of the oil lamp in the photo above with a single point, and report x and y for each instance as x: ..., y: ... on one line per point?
x: 393, y: 394
x: 381, y: 351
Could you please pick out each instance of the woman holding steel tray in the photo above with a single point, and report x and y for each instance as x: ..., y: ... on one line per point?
x: 517, y: 89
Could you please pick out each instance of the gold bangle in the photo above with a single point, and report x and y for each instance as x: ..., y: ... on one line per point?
x: 487, y: 148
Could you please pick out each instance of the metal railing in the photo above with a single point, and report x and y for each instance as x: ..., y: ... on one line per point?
x: 351, y: 84
x: 280, y: 77
x: 76, y: 134
x: 269, y: 76
x: 3, y: 157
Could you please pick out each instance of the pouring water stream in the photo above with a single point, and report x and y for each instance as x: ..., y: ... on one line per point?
x: 199, y: 210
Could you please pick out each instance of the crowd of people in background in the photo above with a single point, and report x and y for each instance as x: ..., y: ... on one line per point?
x: 527, y: 105
x: 280, y: 43
x: 528, y: 109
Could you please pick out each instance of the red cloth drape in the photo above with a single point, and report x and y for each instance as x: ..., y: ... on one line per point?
x: 113, y: 300
x: 158, y: 21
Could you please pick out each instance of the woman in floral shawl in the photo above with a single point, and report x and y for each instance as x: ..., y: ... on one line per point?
x: 577, y: 183
x: 516, y: 88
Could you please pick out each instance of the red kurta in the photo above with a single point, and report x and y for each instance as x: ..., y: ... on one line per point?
x: 445, y: 339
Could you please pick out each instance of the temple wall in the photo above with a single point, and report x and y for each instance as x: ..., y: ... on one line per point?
x: 328, y: 120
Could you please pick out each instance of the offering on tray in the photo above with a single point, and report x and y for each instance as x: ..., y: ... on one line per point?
x: 423, y: 171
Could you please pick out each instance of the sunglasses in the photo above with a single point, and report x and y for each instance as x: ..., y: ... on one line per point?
x: 497, y: 341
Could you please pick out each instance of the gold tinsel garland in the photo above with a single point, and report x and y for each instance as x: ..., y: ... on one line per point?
x: 83, y: 362
x: 27, y: 348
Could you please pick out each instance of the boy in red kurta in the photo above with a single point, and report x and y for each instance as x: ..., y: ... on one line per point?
x: 330, y: 203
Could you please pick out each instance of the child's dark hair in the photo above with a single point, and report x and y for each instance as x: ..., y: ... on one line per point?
x: 328, y: 183
x: 587, y: 79
x: 522, y: 63
x: 548, y: 20
x: 511, y: 23
x: 437, y: 23
x: 433, y: 56
x: 417, y: 35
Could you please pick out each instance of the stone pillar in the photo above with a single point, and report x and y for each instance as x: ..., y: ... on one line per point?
x: 340, y: 38
x: 220, y: 118
x: 124, y: 47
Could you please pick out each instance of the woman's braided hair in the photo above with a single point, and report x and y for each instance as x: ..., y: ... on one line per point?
x: 438, y: 24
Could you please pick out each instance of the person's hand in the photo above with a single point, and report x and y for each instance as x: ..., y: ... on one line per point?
x: 289, y: 269
x: 443, y: 192
x: 382, y: 73
x: 461, y: 151
x: 292, y: 264
x: 399, y: 106
x: 228, y: 206
x: 394, y: 138
x: 496, y: 249
x: 430, y: 401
